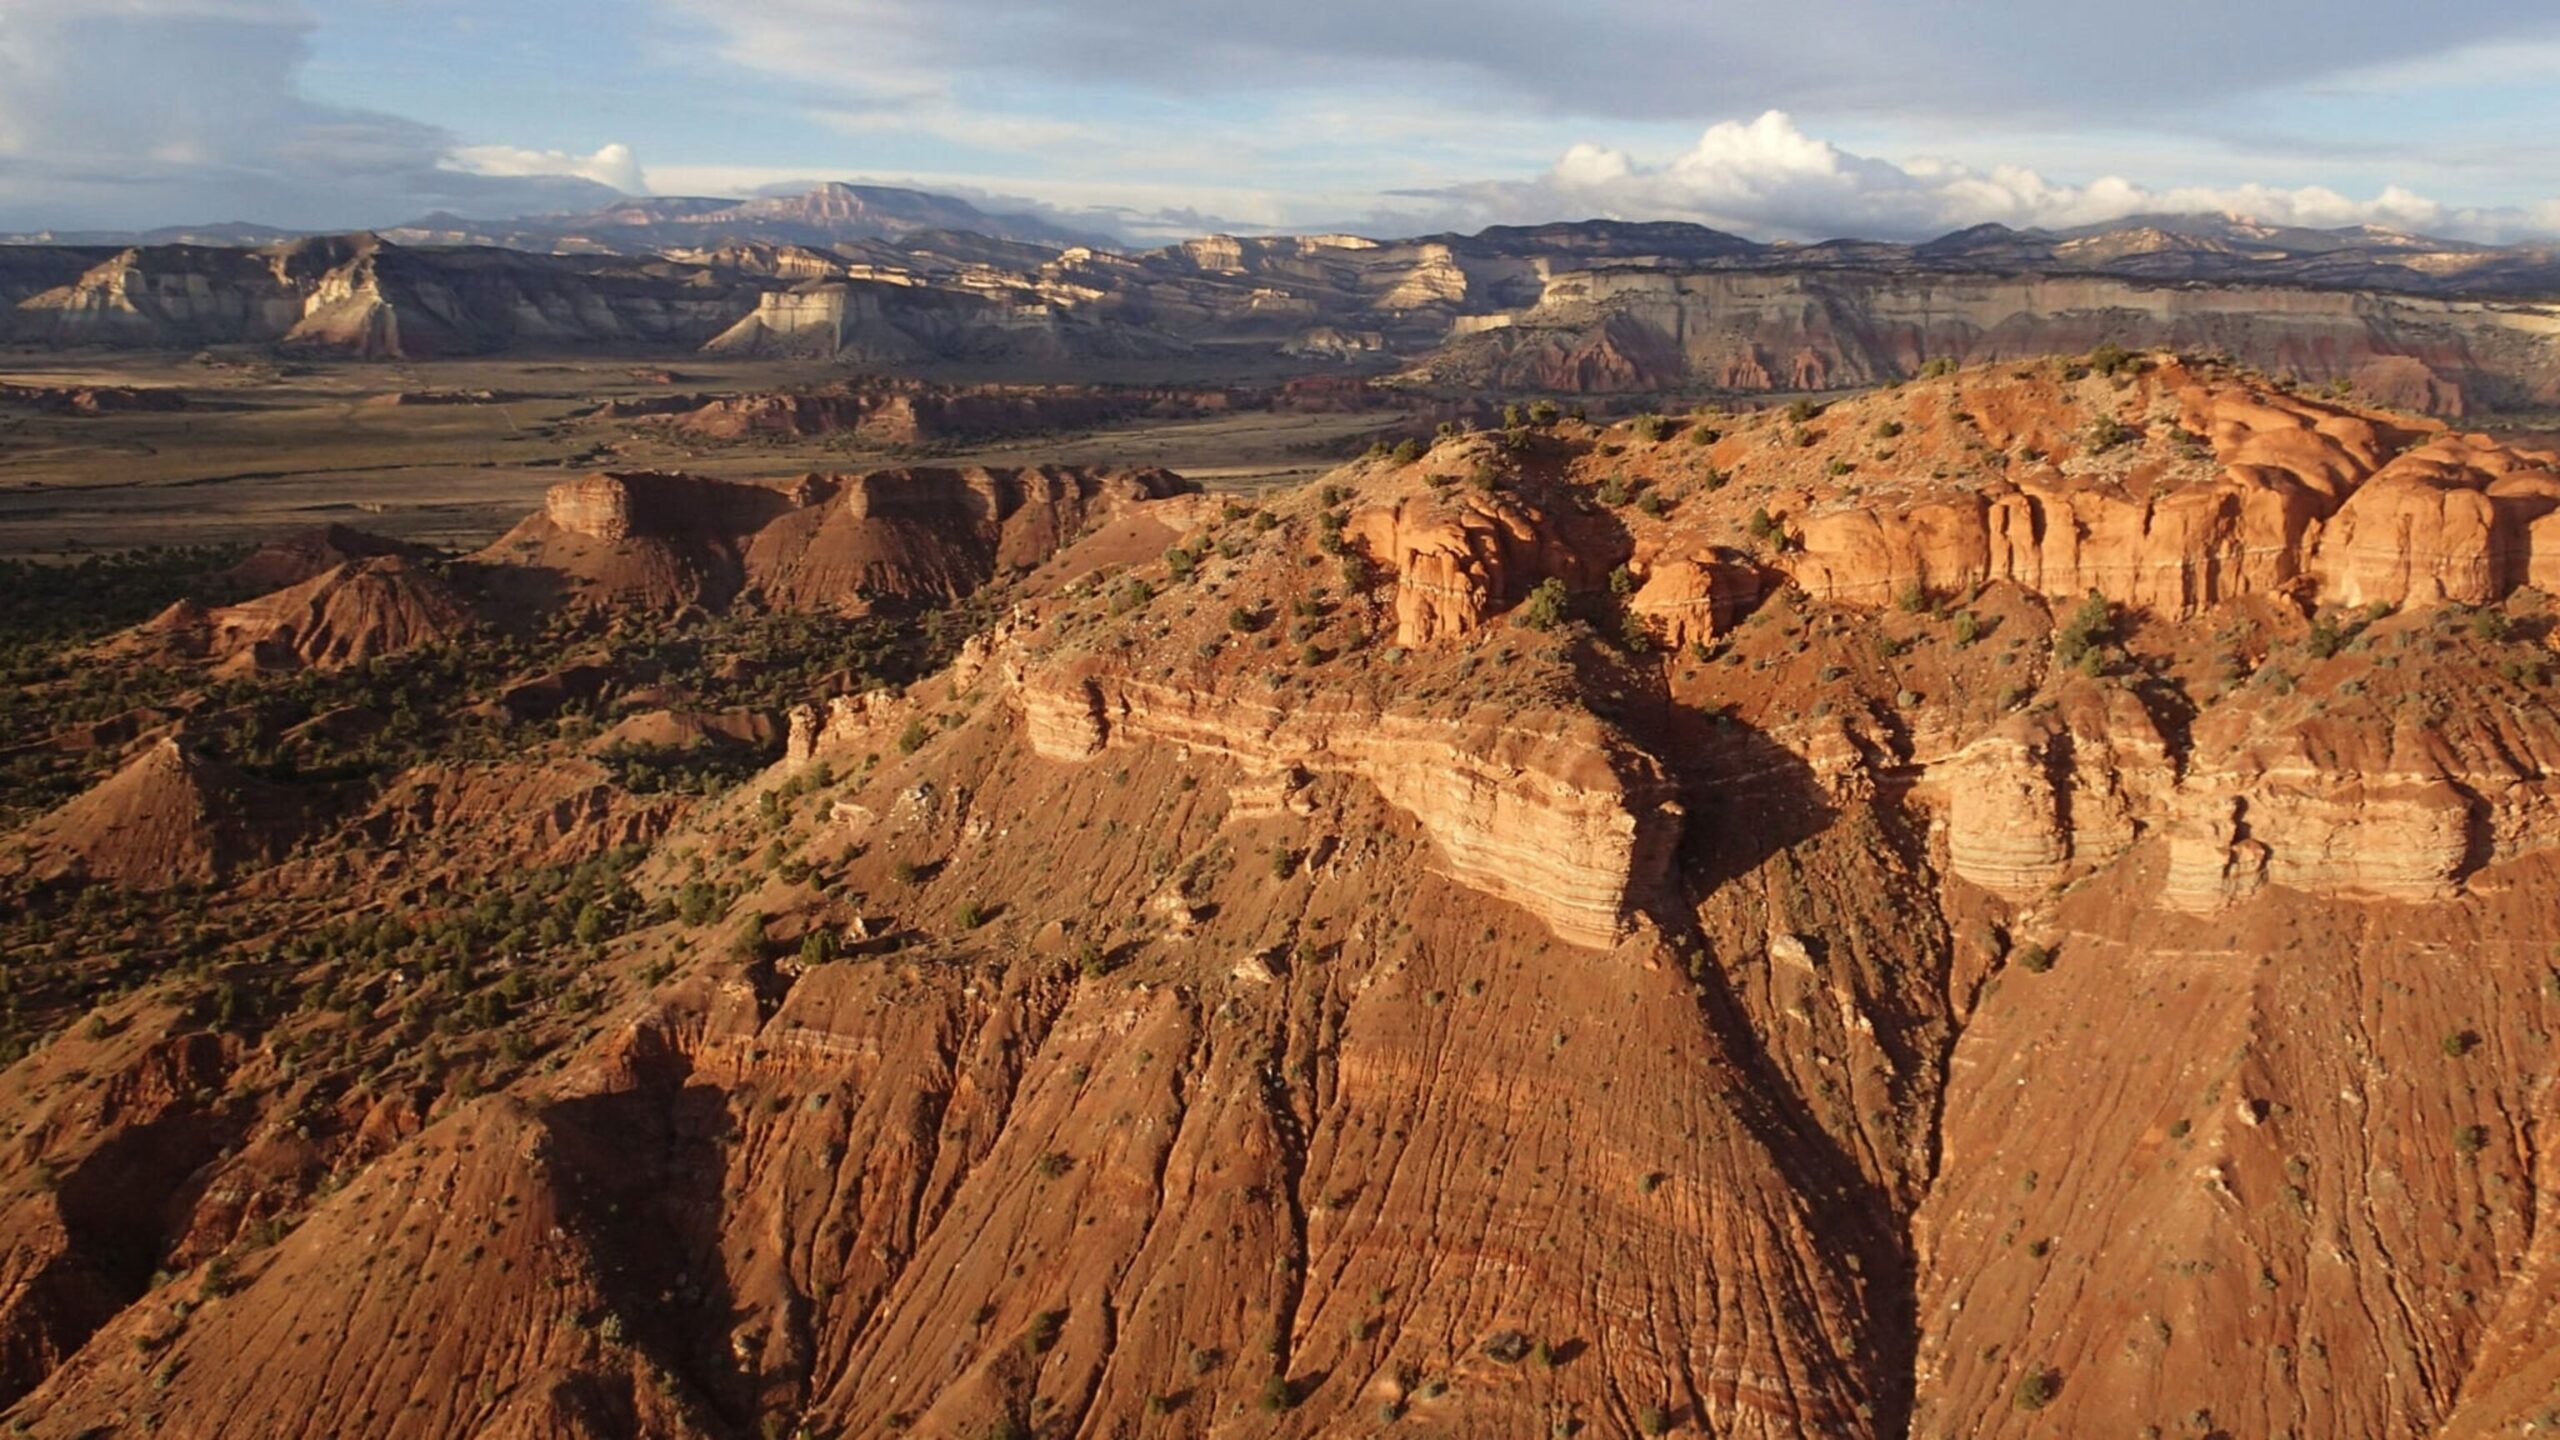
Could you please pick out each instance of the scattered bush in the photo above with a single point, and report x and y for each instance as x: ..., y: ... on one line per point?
x: 1045, y: 1329
x: 1132, y: 594
x: 2037, y: 1388
x: 2082, y: 638
x: 1546, y: 606
x: 2112, y: 359
x: 2108, y: 433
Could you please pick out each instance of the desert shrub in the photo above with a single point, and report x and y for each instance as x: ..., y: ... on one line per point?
x: 1045, y: 1329
x: 2037, y: 1388
x: 1764, y: 527
x: 1968, y: 628
x: 1546, y: 606
x: 970, y: 915
x: 1181, y: 562
x: 1934, y: 369
x: 818, y: 947
x: 1615, y: 491
x: 1409, y: 451
x: 2083, y: 636
x: 1653, y: 1420
x: 1634, y: 636
x: 1888, y: 429
x: 912, y: 738
x: 2109, y: 433
x: 1801, y: 411
x: 1651, y: 428
x: 2035, y: 959
x: 2112, y: 359
x: 2326, y: 638
x: 1132, y: 594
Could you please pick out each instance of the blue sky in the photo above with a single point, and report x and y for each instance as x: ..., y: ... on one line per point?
x: 1159, y: 117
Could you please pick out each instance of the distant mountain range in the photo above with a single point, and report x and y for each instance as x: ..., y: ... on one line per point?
x: 901, y: 279
x: 829, y: 214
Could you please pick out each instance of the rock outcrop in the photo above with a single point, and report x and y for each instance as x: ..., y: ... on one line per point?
x: 2297, y: 494
x: 353, y: 612
x: 1457, y: 563
x: 1547, y: 813
x: 172, y: 814
x: 827, y: 542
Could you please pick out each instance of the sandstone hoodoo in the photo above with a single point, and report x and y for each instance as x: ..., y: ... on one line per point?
x: 2016, y: 903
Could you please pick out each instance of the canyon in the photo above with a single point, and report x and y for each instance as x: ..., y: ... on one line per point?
x: 2012, y: 903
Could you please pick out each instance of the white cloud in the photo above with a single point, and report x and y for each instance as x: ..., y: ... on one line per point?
x: 612, y: 165
x: 1769, y: 179
x: 118, y: 114
x: 1619, y: 59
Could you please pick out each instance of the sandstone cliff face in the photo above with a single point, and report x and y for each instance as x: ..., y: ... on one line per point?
x: 2051, y: 794
x: 1568, y: 826
x: 1459, y: 563
x: 365, y: 298
x: 1631, y: 330
x: 2297, y: 494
